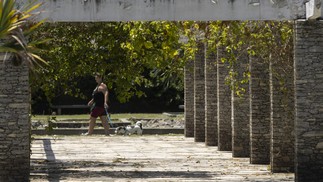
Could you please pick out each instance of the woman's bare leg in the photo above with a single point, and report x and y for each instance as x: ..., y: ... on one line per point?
x: 91, y: 125
x: 104, y: 121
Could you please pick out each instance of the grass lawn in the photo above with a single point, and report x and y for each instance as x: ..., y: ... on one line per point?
x: 113, y: 116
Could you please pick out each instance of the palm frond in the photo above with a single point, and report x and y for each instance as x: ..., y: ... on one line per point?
x: 19, y: 41
x: 8, y: 49
x: 32, y: 6
x: 39, y: 58
x: 15, y: 26
x: 33, y: 27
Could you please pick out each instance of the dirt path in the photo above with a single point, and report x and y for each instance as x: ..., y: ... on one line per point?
x: 144, y: 158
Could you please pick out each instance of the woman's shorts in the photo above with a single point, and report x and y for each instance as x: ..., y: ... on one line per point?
x: 98, y: 111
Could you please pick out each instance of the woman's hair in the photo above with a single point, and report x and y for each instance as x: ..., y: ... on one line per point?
x: 98, y: 74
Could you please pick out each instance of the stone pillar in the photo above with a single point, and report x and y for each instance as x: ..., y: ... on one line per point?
x: 189, y: 98
x: 14, y: 122
x: 199, y: 94
x: 211, y: 123
x: 282, y: 115
x: 309, y: 100
x: 259, y: 112
x: 241, y: 111
x: 224, y: 106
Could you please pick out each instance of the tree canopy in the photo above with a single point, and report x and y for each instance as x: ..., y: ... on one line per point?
x: 137, y: 55
x: 123, y: 51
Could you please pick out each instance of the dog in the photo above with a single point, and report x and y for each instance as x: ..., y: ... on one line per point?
x: 129, y: 130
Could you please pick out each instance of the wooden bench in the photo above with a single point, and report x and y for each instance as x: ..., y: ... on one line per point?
x: 60, y: 107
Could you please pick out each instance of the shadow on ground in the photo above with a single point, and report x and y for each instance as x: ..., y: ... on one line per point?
x: 56, y: 171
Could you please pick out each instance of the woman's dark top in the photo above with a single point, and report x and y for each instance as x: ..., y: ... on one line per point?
x: 98, y: 98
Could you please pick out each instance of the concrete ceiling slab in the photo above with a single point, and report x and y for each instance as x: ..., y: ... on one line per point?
x: 172, y: 10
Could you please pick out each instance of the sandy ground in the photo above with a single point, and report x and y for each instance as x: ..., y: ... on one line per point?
x: 139, y: 158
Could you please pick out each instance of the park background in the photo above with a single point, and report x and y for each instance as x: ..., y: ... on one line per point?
x: 156, y: 100
x: 143, y: 61
x: 142, y: 64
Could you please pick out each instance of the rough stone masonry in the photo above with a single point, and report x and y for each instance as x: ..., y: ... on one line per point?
x: 309, y: 100
x: 14, y: 122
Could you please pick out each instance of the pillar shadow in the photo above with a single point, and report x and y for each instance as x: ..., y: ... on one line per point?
x: 50, y: 156
x: 59, y: 170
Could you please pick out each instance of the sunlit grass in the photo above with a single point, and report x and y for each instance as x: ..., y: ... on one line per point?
x: 113, y: 116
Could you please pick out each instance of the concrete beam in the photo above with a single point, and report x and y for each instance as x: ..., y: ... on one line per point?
x: 314, y: 9
x: 172, y: 10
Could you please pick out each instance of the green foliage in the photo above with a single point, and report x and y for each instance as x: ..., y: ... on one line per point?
x: 269, y: 41
x: 15, y: 27
x: 122, y: 51
x: 136, y: 56
x: 51, y: 123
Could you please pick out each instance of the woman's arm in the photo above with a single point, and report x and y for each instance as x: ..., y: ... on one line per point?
x: 90, y: 102
x: 103, y: 88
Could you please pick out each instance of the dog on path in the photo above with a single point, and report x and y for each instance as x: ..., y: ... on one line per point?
x: 130, y: 130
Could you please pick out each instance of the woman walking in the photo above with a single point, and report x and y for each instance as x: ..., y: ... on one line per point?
x: 99, y: 104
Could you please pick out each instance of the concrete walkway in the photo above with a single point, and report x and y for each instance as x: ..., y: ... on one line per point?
x: 139, y: 158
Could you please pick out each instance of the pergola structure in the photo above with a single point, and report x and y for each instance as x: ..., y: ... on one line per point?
x: 172, y: 10
x: 291, y: 142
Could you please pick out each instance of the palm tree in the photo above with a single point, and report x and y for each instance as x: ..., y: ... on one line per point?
x: 15, y: 26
